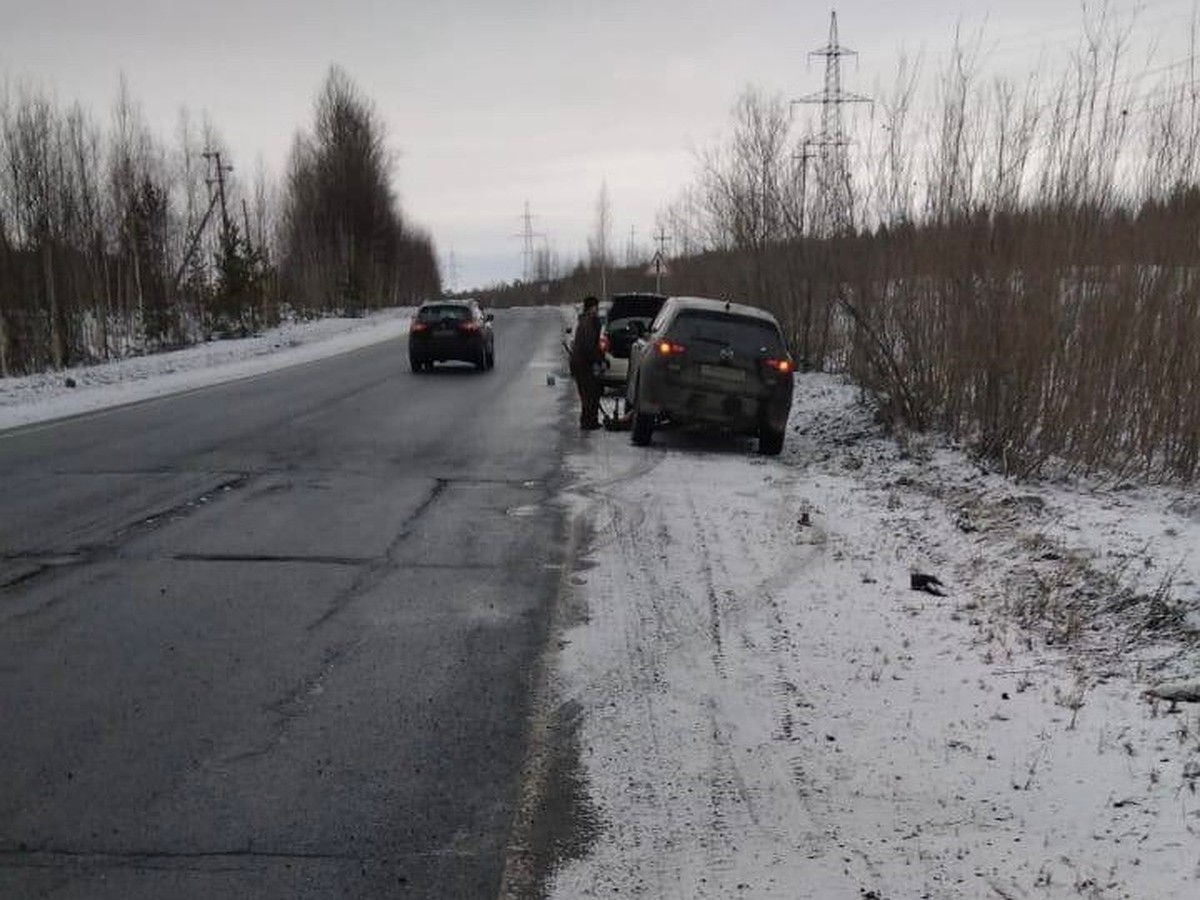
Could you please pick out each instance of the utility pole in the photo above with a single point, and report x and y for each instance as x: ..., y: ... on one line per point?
x: 834, y: 172
x: 805, y: 154
x: 192, y: 243
x: 527, y: 235
x: 218, y: 178
x: 452, y: 265
x: 246, y: 225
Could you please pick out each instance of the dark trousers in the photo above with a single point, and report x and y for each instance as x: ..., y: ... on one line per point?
x: 588, y: 386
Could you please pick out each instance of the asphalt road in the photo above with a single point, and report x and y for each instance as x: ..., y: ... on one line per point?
x: 275, y: 638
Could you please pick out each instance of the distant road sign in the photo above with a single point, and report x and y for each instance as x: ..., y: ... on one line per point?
x: 658, y: 265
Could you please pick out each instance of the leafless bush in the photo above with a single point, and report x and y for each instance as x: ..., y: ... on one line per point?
x: 1045, y: 303
x: 1026, y: 277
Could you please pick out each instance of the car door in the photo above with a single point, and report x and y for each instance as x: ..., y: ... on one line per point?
x: 639, y: 349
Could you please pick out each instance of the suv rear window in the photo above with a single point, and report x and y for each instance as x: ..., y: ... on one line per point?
x: 640, y: 307
x: 746, y: 335
x: 449, y: 311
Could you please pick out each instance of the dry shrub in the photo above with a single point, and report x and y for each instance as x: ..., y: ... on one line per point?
x: 1043, y: 301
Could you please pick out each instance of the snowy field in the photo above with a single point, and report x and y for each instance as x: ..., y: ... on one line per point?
x: 37, y: 398
x: 768, y: 710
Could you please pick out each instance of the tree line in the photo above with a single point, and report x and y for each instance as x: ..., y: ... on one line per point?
x: 1017, y: 263
x: 115, y: 242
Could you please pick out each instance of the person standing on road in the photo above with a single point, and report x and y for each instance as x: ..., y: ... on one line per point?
x: 586, y: 358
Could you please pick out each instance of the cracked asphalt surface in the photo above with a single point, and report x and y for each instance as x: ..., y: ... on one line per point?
x: 276, y: 638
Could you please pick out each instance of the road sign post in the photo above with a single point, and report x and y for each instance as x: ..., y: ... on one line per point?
x: 658, y: 268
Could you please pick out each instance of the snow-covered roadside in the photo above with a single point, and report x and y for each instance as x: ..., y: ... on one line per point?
x: 769, y: 709
x: 37, y: 398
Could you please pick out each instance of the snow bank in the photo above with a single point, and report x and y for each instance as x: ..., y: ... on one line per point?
x: 770, y: 711
x: 38, y: 398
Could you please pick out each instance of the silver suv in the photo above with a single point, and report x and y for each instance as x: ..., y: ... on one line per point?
x: 715, y: 364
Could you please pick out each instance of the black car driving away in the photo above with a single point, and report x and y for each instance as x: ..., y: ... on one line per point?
x: 444, y: 330
x: 714, y: 364
x: 628, y: 318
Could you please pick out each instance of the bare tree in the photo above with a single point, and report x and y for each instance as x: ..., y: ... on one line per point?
x: 344, y: 241
x: 600, y: 243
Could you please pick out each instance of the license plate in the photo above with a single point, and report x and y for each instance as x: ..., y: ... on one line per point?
x: 722, y: 373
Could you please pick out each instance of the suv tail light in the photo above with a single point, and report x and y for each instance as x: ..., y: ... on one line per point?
x: 669, y: 348
x: 469, y: 325
x: 782, y: 366
x: 417, y: 327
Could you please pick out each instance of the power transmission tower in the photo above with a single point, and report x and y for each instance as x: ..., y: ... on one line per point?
x: 834, y: 201
x: 527, y: 235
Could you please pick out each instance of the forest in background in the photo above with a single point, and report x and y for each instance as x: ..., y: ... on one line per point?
x: 115, y: 242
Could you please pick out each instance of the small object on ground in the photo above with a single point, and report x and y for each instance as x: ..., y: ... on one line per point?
x: 930, y: 584
x: 550, y: 379
x: 70, y: 382
x: 805, y: 520
x: 1186, y: 691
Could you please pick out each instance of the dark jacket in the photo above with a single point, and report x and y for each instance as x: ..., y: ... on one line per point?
x: 585, y: 349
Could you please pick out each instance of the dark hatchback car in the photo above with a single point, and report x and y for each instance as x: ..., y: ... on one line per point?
x: 444, y: 330
x: 713, y: 364
x: 628, y: 318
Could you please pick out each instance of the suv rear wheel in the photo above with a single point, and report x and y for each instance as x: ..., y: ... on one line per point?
x: 770, y: 441
x: 643, y: 425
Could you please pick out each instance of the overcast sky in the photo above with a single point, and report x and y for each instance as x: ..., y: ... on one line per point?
x: 492, y: 104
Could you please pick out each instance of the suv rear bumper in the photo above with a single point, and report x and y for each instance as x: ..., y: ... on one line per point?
x: 684, y: 405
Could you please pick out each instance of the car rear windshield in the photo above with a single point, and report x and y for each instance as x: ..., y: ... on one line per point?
x: 635, y: 308
x: 744, y: 334
x: 449, y: 311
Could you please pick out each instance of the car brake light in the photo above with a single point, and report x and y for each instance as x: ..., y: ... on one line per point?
x: 782, y: 366
x: 669, y: 348
x: 468, y: 326
x: 418, y: 327
x: 604, y: 344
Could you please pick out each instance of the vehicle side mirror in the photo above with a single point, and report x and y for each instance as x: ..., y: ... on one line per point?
x: 489, y: 318
x: 567, y: 330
